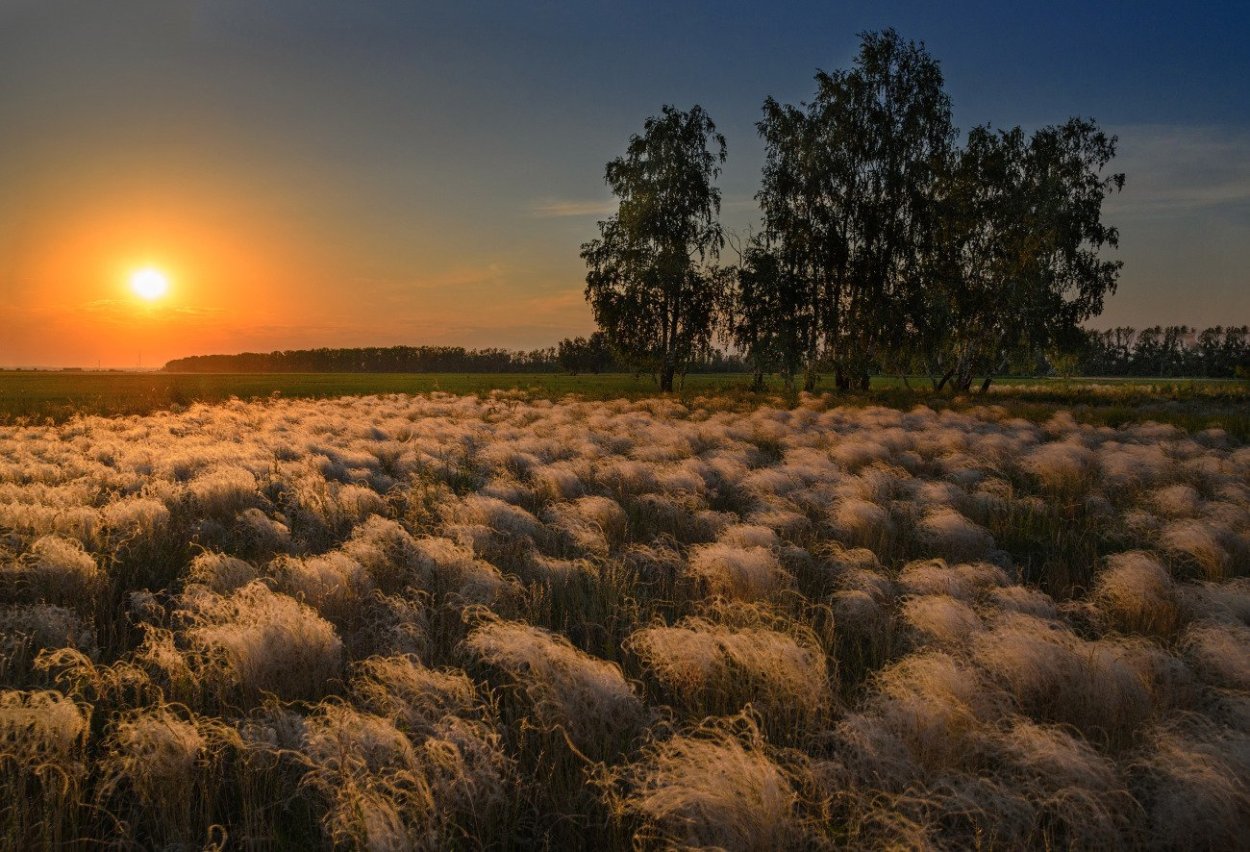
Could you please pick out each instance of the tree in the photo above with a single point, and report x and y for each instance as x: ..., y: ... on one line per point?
x: 651, y: 278
x: 580, y: 355
x: 1206, y: 355
x: 1235, y: 353
x: 769, y: 315
x: 801, y: 249
x: 1018, y: 264
x: 570, y: 354
x: 1108, y: 353
x: 848, y: 193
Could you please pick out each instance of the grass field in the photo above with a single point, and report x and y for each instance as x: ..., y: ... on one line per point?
x: 397, y: 622
x: 1192, y: 404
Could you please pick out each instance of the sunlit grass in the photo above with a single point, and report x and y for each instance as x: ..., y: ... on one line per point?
x: 503, y: 620
x: 1190, y: 404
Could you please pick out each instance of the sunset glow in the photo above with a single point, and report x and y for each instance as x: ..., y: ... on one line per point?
x: 298, y: 188
x: 149, y: 283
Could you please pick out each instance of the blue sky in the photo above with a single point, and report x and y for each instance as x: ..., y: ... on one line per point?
x: 386, y: 172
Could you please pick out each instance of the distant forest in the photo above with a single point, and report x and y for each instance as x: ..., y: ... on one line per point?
x: 1174, y: 350
x: 1164, y: 351
x: 572, y: 356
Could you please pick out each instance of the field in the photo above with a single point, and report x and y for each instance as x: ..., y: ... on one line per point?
x: 525, y: 619
x: 1192, y: 404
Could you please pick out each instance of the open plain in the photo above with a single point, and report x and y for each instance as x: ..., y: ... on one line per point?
x: 397, y: 621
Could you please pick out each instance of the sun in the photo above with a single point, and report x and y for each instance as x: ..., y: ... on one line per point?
x: 149, y: 283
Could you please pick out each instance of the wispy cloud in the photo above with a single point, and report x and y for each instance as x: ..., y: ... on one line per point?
x: 128, y: 307
x: 1181, y: 170
x: 123, y: 313
x: 554, y: 208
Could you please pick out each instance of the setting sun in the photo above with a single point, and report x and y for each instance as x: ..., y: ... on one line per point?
x: 149, y: 283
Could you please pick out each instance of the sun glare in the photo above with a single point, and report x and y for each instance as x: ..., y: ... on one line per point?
x: 149, y: 283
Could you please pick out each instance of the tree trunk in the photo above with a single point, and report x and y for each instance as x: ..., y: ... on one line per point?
x: 667, y: 372
x: 865, y: 381
x: 961, y: 379
x: 757, y: 380
x: 946, y: 377
x: 809, y: 380
x: 985, y: 385
x: 841, y: 380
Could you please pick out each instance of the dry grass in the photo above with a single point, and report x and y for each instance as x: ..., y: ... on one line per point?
x: 43, y: 768
x: 400, y: 622
x: 587, y: 698
x: 1137, y: 595
x: 706, y: 668
x: 260, y: 642
x: 714, y: 787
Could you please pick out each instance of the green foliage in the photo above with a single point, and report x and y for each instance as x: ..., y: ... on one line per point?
x: 769, y: 315
x: 847, y: 200
x: 650, y: 280
x: 886, y: 245
x: 1017, y: 265
x: 582, y: 355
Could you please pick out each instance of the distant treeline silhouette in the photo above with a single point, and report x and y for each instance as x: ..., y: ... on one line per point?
x: 1174, y: 350
x: 574, y: 356
x: 372, y: 359
x: 1164, y: 351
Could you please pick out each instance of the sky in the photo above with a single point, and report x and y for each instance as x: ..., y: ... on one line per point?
x: 376, y: 172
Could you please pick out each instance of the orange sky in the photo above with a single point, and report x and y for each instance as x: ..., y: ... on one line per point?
x: 249, y: 273
x: 295, y: 192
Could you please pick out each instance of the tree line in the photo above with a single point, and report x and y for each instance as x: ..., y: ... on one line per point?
x: 571, y: 355
x: 1174, y: 350
x: 373, y: 359
x: 1165, y: 351
x: 883, y: 242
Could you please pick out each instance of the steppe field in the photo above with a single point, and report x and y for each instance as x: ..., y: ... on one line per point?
x: 576, y: 615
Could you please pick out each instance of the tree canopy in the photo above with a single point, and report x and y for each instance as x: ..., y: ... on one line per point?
x: 651, y: 279
x: 884, y: 242
x: 1018, y: 266
x: 848, y: 199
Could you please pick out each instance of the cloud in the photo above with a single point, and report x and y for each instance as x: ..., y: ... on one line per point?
x: 124, y: 313
x: 558, y: 208
x: 127, y: 307
x: 1174, y: 171
x: 561, y: 300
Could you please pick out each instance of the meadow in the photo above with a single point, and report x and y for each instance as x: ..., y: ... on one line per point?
x: 1192, y: 404
x: 523, y: 619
